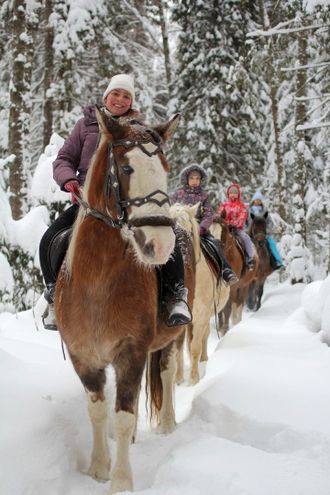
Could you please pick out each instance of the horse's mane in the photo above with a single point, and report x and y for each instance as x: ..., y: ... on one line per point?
x: 185, y: 217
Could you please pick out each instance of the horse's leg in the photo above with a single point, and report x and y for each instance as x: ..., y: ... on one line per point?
x: 260, y: 294
x: 251, y: 300
x: 235, y: 313
x: 239, y: 304
x: 180, y: 364
x: 195, y: 349
x: 136, y: 414
x: 129, y: 365
x: 94, y: 381
x: 224, y: 316
x: 205, y: 356
x: 195, y: 354
x: 221, y: 321
x: 100, y: 465
x: 167, y: 374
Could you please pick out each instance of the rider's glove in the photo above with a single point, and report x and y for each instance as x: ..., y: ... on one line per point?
x: 73, y: 187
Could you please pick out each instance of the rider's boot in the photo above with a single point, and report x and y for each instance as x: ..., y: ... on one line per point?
x: 227, y: 273
x: 48, y: 318
x: 177, y: 306
x: 251, y: 263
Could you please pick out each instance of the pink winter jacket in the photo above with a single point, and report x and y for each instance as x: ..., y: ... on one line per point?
x: 236, y: 211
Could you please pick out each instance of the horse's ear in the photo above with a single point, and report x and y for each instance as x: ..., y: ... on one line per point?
x: 167, y: 129
x: 252, y: 215
x: 266, y: 214
x: 223, y: 214
x: 194, y: 209
x: 107, y: 123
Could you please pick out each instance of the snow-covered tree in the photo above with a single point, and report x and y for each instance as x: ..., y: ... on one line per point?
x: 216, y: 93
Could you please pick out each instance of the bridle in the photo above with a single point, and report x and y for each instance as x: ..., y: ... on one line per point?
x: 111, y: 184
x: 259, y: 237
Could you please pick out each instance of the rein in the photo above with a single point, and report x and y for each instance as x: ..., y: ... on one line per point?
x: 112, y: 184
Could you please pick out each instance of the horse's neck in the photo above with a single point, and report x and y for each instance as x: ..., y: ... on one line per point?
x: 87, y: 241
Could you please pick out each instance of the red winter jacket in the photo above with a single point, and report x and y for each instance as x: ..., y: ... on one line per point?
x: 236, y: 211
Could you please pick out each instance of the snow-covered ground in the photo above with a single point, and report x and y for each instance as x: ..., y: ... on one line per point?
x: 258, y: 423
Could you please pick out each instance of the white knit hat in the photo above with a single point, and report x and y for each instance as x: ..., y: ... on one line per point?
x: 121, y: 81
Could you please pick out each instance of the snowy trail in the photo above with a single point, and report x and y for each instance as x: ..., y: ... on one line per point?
x: 256, y: 424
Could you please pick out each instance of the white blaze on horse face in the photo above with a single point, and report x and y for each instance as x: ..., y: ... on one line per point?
x: 149, y: 176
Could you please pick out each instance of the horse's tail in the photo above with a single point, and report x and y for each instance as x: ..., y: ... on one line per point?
x: 154, y: 386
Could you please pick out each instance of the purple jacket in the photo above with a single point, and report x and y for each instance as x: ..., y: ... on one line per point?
x: 192, y: 195
x: 74, y: 157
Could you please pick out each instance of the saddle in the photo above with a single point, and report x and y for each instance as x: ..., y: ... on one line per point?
x: 210, y: 249
x: 240, y: 245
x: 57, y: 250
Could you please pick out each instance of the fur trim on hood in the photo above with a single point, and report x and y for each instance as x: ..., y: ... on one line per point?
x: 193, y: 168
x: 234, y: 186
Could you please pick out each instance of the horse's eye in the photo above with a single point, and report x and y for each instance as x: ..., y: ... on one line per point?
x: 128, y: 170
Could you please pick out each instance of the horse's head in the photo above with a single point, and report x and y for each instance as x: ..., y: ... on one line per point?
x: 219, y: 228
x: 126, y: 184
x: 258, y: 227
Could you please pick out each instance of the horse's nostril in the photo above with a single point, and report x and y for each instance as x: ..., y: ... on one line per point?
x: 140, y: 237
x: 149, y: 249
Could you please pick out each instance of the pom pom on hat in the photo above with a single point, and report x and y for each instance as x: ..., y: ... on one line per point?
x: 121, y: 81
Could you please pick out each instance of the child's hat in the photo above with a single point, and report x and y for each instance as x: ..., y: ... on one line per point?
x: 234, y: 188
x: 121, y: 81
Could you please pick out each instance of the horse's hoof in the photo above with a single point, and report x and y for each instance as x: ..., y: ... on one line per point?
x: 194, y: 380
x: 179, y: 379
x: 166, y: 428
x: 100, y: 471
x: 120, y: 485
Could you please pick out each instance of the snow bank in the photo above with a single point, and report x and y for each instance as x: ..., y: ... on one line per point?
x: 315, y: 301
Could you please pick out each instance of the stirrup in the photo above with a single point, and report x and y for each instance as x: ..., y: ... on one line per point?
x: 49, y: 293
x: 48, y: 318
x: 229, y: 277
x: 178, y: 309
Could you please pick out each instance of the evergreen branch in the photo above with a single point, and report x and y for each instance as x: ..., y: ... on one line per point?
x: 275, y: 31
x: 304, y: 67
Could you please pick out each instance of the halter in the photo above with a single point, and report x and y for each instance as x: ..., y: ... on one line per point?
x: 260, y: 237
x: 112, y: 183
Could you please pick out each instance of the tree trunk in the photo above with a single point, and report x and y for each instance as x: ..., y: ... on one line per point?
x: 64, y: 101
x: 17, y: 107
x: 274, y: 86
x: 48, y: 75
x: 166, y: 49
x: 300, y: 167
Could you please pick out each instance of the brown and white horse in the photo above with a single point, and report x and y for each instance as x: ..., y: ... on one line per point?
x: 106, y: 298
x: 211, y: 296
